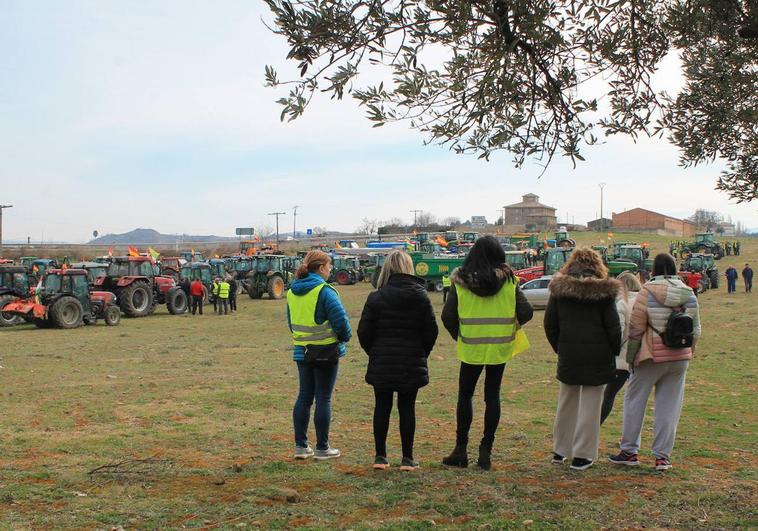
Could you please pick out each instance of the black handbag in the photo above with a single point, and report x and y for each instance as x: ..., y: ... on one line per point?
x: 322, y: 355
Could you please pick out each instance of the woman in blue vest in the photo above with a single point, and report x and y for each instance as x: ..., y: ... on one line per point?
x: 482, y: 313
x: 319, y: 324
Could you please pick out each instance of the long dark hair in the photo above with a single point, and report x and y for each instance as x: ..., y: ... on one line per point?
x: 485, y: 257
x: 664, y: 264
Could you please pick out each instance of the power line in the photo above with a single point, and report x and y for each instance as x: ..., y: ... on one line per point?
x: 294, y: 221
x: 277, y: 214
x: 415, y: 215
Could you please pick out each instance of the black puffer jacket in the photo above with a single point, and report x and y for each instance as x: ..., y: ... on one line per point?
x: 582, y: 325
x: 398, y: 330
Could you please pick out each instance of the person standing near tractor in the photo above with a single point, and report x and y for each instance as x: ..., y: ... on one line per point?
x: 232, y: 293
x: 197, y: 292
x: 397, y: 331
x: 214, y: 293
x: 445, y: 287
x: 320, y: 328
x: 483, y: 313
x: 582, y: 326
x: 747, y: 276
x: 223, y: 297
x: 731, y: 279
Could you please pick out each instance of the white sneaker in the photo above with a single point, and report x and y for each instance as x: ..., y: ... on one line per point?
x: 329, y: 453
x: 303, y: 453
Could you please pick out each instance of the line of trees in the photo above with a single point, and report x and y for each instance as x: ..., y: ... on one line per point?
x: 424, y: 222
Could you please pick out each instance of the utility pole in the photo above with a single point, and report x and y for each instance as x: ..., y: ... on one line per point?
x: 415, y: 215
x: 2, y: 207
x: 277, y: 214
x: 602, y: 222
x: 294, y: 221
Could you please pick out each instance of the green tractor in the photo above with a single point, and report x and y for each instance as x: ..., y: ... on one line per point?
x: 621, y: 257
x: 346, y: 270
x: 64, y: 300
x: 270, y: 274
x: 38, y: 266
x: 199, y: 271
x: 555, y: 258
x: 563, y: 240
x: 706, y: 266
x: 191, y: 256
x: 372, y: 268
x: 703, y: 244
x: 14, y: 283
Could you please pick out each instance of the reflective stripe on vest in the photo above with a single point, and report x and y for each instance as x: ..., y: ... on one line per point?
x: 487, y: 325
x: 223, y: 290
x: 305, y: 330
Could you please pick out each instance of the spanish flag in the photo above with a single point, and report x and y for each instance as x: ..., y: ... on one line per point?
x: 133, y: 251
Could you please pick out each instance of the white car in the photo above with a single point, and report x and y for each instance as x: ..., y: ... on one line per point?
x: 537, y: 292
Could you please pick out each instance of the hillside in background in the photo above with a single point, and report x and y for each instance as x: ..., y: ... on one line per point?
x: 153, y: 237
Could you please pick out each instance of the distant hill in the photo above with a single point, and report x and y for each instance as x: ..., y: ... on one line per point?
x: 153, y: 237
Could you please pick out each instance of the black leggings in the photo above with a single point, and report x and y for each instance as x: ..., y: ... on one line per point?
x: 467, y: 379
x: 406, y: 407
x: 611, y: 390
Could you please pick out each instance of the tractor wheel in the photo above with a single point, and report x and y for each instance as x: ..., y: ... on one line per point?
x: 240, y: 289
x: 137, y: 300
x: 112, y: 315
x: 176, y: 301
x: 8, y: 319
x: 713, y: 274
x: 275, y: 287
x: 67, y: 312
x: 342, y: 277
x: 439, y: 286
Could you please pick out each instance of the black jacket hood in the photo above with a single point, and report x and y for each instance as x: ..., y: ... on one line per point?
x: 473, y: 284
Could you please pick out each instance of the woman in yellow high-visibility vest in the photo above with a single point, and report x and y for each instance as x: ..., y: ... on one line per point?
x: 318, y: 323
x: 484, y: 309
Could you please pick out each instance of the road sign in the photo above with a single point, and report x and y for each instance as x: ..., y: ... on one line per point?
x: 245, y: 231
x: 309, y: 232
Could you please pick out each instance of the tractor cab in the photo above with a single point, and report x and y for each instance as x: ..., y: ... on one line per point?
x: 516, y: 259
x: 132, y: 266
x: 470, y: 237
x: 704, y: 237
x: 218, y: 267
x: 26, y: 261
x: 555, y: 258
x: 705, y: 266
x: 94, y: 270
x: 191, y: 256
x: 13, y: 279
x: 197, y: 271
x: 346, y: 270
x: 562, y: 239
x: 39, y: 266
x: 171, y: 266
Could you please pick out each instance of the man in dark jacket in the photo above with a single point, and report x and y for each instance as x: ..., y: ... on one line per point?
x: 747, y: 276
x: 583, y: 327
x: 731, y: 279
x: 232, y: 293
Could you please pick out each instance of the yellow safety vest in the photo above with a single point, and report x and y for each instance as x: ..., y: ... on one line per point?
x: 305, y: 330
x: 223, y: 290
x: 487, y: 326
x: 215, y: 288
x: 446, y: 281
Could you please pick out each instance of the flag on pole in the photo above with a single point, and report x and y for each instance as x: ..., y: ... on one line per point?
x: 133, y: 251
x: 153, y: 253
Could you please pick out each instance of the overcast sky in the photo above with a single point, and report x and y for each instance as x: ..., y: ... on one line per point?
x: 118, y: 115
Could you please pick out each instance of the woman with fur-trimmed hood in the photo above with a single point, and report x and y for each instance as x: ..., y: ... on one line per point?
x: 583, y: 327
x: 483, y: 311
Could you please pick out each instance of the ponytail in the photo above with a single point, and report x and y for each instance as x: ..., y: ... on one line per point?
x: 311, y: 263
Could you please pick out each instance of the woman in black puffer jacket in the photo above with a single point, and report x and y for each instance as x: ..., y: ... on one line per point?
x: 397, y: 330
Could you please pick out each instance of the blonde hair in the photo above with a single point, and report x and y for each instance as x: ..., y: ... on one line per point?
x: 311, y: 263
x: 585, y: 262
x: 629, y: 282
x: 397, y: 262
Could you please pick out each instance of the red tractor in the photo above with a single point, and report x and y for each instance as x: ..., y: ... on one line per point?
x: 64, y: 300
x: 138, y: 286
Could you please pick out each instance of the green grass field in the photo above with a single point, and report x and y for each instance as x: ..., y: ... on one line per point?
x: 198, y: 413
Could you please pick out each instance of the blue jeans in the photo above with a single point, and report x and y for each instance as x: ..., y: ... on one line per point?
x: 731, y: 285
x: 318, y: 383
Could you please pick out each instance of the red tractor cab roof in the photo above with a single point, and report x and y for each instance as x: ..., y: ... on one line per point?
x: 67, y: 271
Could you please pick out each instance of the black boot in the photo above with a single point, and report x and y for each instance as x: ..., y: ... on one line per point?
x: 485, y: 456
x: 458, y: 457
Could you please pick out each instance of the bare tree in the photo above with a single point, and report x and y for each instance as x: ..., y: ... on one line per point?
x: 425, y: 219
x: 707, y: 219
x: 368, y: 226
x: 451, y: 221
